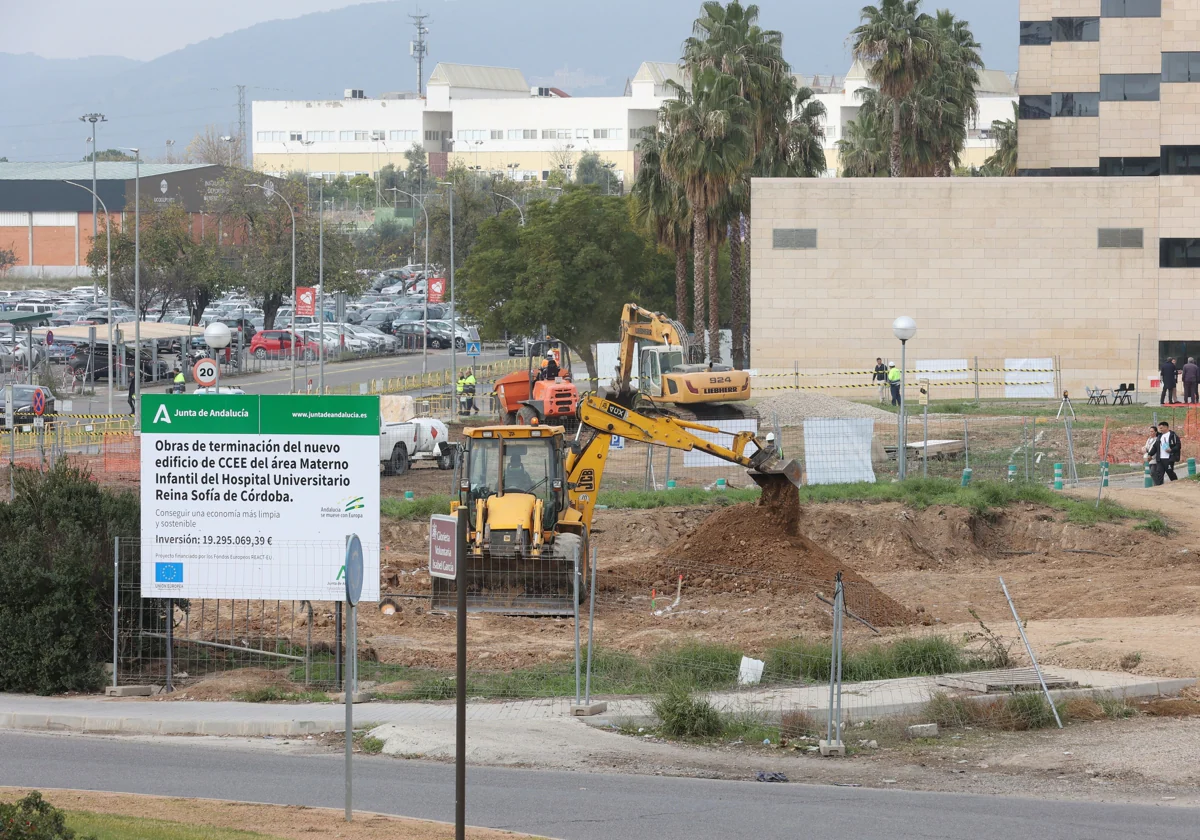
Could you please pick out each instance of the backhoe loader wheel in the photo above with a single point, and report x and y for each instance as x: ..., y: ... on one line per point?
x: 526, y: 416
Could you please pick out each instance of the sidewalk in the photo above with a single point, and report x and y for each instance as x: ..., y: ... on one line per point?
x: 146, y: 716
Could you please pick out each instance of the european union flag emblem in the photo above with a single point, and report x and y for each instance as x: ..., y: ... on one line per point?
x: 168, y: 573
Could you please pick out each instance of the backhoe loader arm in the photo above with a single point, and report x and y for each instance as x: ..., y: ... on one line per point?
x: 639, y: 324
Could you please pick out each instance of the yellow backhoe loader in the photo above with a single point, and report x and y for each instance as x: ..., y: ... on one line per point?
x: 667, y: 381
x: 530, y: 493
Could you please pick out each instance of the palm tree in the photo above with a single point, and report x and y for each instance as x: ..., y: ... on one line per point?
x: 663, y: 207
x: 950, y: 89
x: 1003, y: 161
x: 863, y: 149
x: 710, y: 142
x: 729, y: 40
x: 899, y: 44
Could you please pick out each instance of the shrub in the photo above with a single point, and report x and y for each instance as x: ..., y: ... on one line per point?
x: 56, y: 586
x: 1014, y: 713
x: 798, y: 723
x: 33, y: 818
x: 685, y: 716
x: 371, y: 745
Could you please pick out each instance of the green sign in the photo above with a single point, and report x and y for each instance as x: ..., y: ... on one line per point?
x: 285, y: 414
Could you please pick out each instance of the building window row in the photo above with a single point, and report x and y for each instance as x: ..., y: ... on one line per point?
x: 1040, y: 33
x: 1178, y: 253
x: 1130, y: 167
x: 1130, y: 8
x: 1181, y: 67
x: 407, y: 136
x: 1180, y: 160
x: 1120, y: 238
x: 320, y: 136
x: 1061, y: 172
x: 1043, y: 107
x: 1129, y: 87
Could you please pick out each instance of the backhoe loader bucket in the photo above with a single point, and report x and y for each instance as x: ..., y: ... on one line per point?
x: 774, y: 474
x: 515, y: 583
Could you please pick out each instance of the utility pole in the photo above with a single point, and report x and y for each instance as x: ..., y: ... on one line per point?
x: 241, y: 89
x: 419, y: 48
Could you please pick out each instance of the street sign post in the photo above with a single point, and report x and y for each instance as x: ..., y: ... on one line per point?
x: 205, y: 372
x: 443, y: 547
x: 354, y: 583
x: 39, y: 402
x: 474, y: 348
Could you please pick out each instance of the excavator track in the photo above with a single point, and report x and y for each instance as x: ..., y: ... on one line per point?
x: 701, y: 413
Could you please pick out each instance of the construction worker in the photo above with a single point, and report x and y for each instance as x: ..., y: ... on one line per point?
x: 893, y: 379
x: 469, y: 390
x: 550, y: 369
x: 180, y: 382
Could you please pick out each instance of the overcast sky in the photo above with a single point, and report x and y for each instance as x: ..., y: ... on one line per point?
x: 145, y: 29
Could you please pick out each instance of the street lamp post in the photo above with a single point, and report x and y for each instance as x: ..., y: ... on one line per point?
x: 269, y: 189
x: 137, y: 286
x: 108, y: 271
x: 93, y: 119
x: 453, y: 314
x: 903, y: 328
x: 425, y: 314
x: 514, y: 204
x: 217, y: 337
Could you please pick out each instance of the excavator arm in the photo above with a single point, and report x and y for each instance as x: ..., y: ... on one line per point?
x: 639, y: 324
x: 604, y: 419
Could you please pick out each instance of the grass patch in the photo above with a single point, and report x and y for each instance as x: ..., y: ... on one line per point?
x: 422, y: 508
x: 1131, y: 660
x: 369, y: 743
x: 120, y: 827
x: 1155, y: 526
x: 679, y: 497
x: 686, y: 716
x: 981, y: 497
x: 272, y: 694
x: 925, y: 656
x: 1013, y: 713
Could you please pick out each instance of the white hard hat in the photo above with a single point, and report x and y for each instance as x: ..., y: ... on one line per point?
x: 891, y: 364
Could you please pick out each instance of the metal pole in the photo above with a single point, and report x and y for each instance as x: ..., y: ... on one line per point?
x: 903, y: 437
x: 321, y: 294
x: 575, y: 608
x: 587, y: 690
x: 460, y: 722
x: 966, y: 445
x: 1137, y: 371
x: 976, y: 380
x: 137, y: 294
x: 453, y: 314
x: 337, y: 643
x: 349, y: 719
x: 95, y: 291
x: 925, y: 459
x: 116, y: 601
x: 1029, y: 650
x: 839, y: 610
x: 170, y: 640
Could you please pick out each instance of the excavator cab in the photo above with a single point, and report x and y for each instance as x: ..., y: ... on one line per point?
x: 655, y: 362
x: 523, y: 534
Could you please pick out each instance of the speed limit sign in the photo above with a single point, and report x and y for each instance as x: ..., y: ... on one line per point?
x: 205, y: 373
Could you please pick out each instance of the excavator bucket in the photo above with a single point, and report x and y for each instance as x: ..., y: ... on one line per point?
x: 775, y: 474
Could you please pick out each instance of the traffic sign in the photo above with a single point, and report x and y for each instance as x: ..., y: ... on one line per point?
x: 443, y: 547
x: 49, y: 338
x: 473, y: 348
x: 205, y: 372
x: 354, y: 570
x: 39, y: 402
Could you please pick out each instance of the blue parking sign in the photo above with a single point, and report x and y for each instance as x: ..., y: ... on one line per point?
x: 473, y: 348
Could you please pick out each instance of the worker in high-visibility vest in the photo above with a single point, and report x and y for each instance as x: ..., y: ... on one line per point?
x: 893, y: 378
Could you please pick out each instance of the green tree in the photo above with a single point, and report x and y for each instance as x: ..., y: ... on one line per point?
x: 592, y: 169
x: 110, y: 155
x: 899, y: 45
x: 662, y: 207
x: 1003, y: 161
x: 863, y: 147
x: 473, y: 205
x: 573, y: 265
x: 8, y: 258
x: 418, y: 164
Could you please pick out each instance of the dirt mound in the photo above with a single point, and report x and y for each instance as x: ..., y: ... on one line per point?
x: 762, y: 541
x: 225, y: 686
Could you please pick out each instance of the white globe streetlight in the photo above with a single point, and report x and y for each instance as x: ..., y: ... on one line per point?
x: 217, y: 337
x: 903, y: 328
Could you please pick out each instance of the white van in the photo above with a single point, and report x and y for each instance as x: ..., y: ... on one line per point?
x: 40, y: 308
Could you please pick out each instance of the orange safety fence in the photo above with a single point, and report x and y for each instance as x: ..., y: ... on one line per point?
x: 1126, y: 444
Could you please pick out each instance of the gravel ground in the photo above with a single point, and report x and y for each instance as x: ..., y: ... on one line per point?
x: 792, y: 407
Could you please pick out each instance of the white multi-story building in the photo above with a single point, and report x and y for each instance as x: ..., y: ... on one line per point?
x: 489, y: 118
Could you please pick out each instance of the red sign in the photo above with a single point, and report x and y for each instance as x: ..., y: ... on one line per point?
x: 435, y: 289
x: 39, y: 402
x: 306, y: 301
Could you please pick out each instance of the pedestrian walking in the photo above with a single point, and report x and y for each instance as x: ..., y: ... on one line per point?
x: 1170, y: 375
x: 1166, y: 455
x: 1191, y: 381
x: 893, y: 380
x: 880, y: 376
x: 132, y: 382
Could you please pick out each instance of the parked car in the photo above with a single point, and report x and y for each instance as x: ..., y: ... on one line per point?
x: 226, y: 391
x: 381, y: 319
x: 80, y: 361
x: 281, y: 344
x: 23, y: 403
x: 437, y: 312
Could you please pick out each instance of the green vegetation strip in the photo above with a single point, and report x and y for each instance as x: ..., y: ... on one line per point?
x: 694, y: 666
x: 117, y: 827
x: 426, y: 506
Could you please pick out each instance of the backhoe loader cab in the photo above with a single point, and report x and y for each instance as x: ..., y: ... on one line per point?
x: 523, y: 533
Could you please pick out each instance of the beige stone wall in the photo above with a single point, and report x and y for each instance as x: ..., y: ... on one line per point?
x: 1075, y: 8
x: 1034, y: 148
x: 1036, y: 76
x: 989, y: 267
x: 1180, y: 114
x: 1074, y: 141
x: 1130, y: 45
x: 1129, y: 129
x: 1180, y: 25
x: 1075, y: 66
x: 1037, y: 9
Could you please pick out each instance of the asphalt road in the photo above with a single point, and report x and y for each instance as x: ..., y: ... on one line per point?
x: 576, y: 806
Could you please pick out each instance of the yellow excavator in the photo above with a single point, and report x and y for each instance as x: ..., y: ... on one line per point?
x: 530, y: 493
x: 668, y: 383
